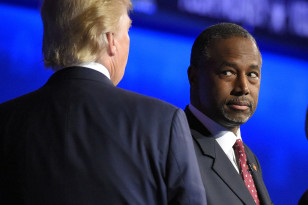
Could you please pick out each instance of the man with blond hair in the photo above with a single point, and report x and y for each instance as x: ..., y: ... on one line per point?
x: 79, y: 139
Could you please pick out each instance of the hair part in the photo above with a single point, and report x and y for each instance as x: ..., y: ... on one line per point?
x: 75, y: 30
x: 201, y: 46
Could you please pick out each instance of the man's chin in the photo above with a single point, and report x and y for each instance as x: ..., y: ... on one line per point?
x: 236, y: 119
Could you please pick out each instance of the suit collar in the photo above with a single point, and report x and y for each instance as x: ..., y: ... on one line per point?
x: 221, y: 164
x: 78, y: 73
x: 195, y: 124
x: 95, y: 66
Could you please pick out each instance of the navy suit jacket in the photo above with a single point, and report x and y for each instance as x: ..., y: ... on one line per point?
x: 80, y: 140
x: 222, y: 182
x: 304, y: 198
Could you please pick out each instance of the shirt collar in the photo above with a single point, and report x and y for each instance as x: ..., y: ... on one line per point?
x: 95, y: 66
x: 223, y: 136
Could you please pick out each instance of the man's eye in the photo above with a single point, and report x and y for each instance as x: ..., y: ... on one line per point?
x: 227, y: 73
x: 253, y: 75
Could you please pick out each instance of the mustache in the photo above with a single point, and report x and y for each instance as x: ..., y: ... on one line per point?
x: 240, y: 101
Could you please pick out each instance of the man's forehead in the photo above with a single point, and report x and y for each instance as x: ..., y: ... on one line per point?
x: 233, y: 40
x: 234, y: 46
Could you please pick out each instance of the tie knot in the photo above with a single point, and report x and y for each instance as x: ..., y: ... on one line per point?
x: 238, y: 145
x: 239, y: 150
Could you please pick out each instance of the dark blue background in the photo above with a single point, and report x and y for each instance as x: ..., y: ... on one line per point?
x: 157, y: 67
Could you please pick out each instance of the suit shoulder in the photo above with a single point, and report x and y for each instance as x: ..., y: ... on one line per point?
x: 15, y: 101
x: 143, y: 100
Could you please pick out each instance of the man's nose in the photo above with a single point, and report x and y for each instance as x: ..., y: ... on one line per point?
x: 241, y: 86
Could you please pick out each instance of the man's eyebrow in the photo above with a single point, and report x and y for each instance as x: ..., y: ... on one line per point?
x: 233, y: 65
x: 254, y: 66
x: 228, y: 64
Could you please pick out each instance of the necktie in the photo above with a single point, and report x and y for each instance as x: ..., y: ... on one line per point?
x: 243, y: 167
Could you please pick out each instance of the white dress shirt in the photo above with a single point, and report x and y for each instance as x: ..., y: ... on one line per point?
x: 95, y: 66
x: 223, y: 136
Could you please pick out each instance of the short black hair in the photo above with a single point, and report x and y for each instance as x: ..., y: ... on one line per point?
x: 200, y: 48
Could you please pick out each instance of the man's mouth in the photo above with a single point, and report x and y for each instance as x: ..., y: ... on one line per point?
x: 239, y: 105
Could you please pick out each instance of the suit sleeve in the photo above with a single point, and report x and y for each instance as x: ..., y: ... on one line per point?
x: 184, y: 181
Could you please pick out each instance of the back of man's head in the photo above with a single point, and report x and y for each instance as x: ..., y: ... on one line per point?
x: 200, y: 49
x: 74, y: 30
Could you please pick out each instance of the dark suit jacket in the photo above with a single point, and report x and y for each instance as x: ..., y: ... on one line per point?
x: 80, y: 140
x: 304, y: 198
x: 222, y: 182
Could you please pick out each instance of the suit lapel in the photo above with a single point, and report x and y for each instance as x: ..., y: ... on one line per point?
x: 221, y: 163
x: 257, y: 178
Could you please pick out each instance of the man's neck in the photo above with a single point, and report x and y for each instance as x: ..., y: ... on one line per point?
x: 213, y: 126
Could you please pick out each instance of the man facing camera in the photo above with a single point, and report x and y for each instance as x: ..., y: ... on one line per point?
x: 224, y: 76
x: 80, y: 140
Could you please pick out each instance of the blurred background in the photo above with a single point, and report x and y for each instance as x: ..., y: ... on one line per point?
x: 162, y: 34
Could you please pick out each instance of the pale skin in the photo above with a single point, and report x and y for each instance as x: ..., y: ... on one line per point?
x: 226, y: 88
x: 115, y: 56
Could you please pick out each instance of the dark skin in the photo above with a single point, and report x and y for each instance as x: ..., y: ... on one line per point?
x: 226, y: 87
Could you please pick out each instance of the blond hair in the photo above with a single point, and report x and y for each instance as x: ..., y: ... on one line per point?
x: 74, y: 30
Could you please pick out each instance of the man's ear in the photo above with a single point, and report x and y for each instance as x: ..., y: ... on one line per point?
x: 111, y: 47
x: 192, y: 72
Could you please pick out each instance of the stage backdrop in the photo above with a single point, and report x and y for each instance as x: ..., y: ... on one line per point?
x: 157, y: 67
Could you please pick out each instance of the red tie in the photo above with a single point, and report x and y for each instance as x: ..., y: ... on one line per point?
x: 241, y: 156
